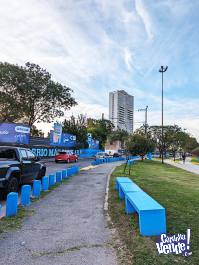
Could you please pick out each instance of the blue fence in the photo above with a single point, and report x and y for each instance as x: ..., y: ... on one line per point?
x: 85, y: 153
x: 47, y: 182
x: 113, y: 159
x: 107, y: 160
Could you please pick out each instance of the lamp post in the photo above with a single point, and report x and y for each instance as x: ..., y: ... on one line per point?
x: 145, y: 123
x: 162, y: 70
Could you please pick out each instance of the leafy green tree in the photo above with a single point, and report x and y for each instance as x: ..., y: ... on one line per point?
x: 139, y: 145
x: 190, y: 144
x: 34, y: 131
x: 175, y: 139
x: 119, y: 135
x: 77, y: 127
x: 31, y: 95
x: 195, y: 152
x: 100, y: 129
x: 11, y: 107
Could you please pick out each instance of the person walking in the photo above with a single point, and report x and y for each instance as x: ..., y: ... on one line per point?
x: 183, y: 157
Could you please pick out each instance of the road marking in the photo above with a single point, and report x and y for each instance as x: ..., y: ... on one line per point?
x: 87, y: 168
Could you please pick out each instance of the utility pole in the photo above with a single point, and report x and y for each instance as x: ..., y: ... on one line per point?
x: 145, y: 123
x: 162, y: 70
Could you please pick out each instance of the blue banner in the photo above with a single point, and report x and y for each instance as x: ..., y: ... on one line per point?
x: 92, y: 143
x: 57, y: 134
x: 67, y: 140
x: 14, y: 133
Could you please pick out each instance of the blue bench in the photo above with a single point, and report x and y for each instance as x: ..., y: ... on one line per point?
x: 119, y: 180
x: 130, y: 162
x: 152, y: 217
x: 127, y: 187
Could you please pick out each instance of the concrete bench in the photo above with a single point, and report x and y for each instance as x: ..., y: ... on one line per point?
x: 152, y: 218
x: 124, y: 188
x: 121, y: 180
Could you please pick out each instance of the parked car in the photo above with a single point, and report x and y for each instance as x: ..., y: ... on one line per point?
x: 116, y: 155
x: 18, y: 166
x: 122, y: 152
x: 101, y: 155
x: 65, y: 156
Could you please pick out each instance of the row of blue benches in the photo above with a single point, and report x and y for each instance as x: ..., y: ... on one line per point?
x: 152, y: 216
x: 38, y: 186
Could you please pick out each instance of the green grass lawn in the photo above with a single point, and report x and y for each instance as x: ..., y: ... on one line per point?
x: 178, y: 191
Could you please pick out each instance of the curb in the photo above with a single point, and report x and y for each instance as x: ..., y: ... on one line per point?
x: 107, y: 190
x: 107, y: 187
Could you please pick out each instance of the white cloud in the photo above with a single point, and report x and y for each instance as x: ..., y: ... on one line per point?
x: 144, y: 15
x: 99, y: 46
x: 128, y: 58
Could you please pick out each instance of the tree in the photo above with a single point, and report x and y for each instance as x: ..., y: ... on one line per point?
x: 175, y: 139
x: 190, y: 144
x: 100, y: 129
x: 31, y: 95
x: 195, y: 152
x: 36, y: 132
x: 119, y: 135
x: 11, y: 107
x: 77, y: 127
x: 139, y: 145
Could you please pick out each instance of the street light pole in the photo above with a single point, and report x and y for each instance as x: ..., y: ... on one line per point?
x: 145, y: 123
x: 146, y: 120
x: 162, y: 70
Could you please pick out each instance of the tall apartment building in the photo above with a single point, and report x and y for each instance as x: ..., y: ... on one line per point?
x: 121, y: 110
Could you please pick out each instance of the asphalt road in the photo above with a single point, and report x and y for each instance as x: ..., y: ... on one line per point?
x: 68, y: 226
x: 53, y: 167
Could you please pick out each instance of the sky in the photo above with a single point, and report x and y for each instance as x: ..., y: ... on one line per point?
x: 99, y: 46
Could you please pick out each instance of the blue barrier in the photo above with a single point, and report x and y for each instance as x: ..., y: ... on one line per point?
x: 11, y: 204
x: 58, y: 176
x: 45, y: 183
x: 51, y: 180
x: 150, y: 156
x: 36, y: 188
x: 25, y: 195
x: 64, y: 174
x: 12, y: 198
x: 107, y: 160
x: 69, y: 172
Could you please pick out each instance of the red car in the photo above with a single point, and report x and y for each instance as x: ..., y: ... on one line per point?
x: 64, y: 156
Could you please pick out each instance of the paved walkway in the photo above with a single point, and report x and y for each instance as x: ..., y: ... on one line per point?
x: 68, y: 226
x: 187, y: 166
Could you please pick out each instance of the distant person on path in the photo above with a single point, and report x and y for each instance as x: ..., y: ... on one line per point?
x: 183, y: 157
x: 174, y: 156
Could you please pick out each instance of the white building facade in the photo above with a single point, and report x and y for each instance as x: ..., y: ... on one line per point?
x: 121, y: 110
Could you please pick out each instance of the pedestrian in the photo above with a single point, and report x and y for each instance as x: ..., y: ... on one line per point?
x: 174, y: 156
x: 183, y: 157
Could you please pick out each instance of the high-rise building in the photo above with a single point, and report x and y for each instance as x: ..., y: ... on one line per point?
x: 121, y: 110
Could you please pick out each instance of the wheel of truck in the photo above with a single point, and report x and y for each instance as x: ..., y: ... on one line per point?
x: 13, y: 185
